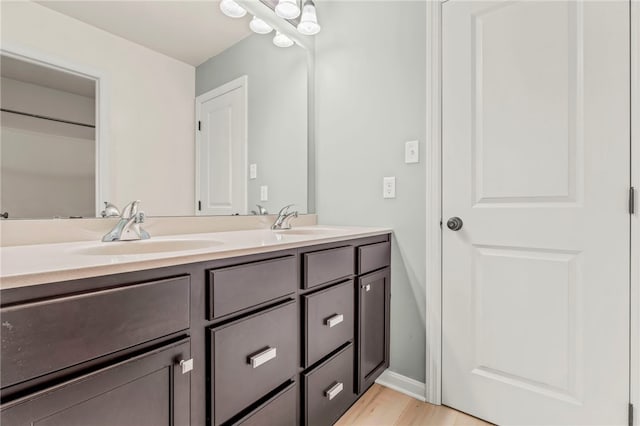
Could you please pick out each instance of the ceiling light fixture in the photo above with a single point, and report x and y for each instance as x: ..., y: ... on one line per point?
x: 309, y: 22
x: 232, y: 9
x: 282, y: 40
x: 257, y: 25
x: 287, y: 9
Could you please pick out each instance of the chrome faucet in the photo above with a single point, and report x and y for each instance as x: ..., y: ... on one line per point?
x: 284, y: 218
x: 128, y: 227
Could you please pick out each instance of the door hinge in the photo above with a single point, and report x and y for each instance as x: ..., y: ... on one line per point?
x: 630, y: 414
x: 632, y: 200
x: 199, y: 205
x: 199, y: 125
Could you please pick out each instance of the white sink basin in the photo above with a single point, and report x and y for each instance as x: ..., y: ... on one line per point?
x: 308, y: 231
x: 147, y: 246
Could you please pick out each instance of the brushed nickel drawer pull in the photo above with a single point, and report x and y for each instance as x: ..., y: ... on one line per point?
x: 333, y: 391
x: 334, y: 320
x: 260, y: 358
x: 186, y: 365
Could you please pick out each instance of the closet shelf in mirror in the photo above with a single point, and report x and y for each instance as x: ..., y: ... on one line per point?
x: 44, y: 117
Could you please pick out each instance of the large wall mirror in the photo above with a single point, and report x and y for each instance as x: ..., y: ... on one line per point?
x: 171, y: 103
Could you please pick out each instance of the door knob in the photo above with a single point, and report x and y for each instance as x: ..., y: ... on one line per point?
x: 455, y: 223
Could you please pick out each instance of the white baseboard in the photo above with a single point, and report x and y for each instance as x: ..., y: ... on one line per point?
x: 403, y: 384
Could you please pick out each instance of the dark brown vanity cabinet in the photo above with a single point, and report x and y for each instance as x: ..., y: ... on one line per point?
x: 329, y: 320
x: 145, y: 390
x: 93, y: 353
x: 374, y: 297
x: 250, y: 358
x: 329, y: 389
x: 238, y: 287
x: 345, y: 296
x: 288, y: 337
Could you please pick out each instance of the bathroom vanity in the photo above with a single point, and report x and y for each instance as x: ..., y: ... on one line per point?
x: 288, y: 329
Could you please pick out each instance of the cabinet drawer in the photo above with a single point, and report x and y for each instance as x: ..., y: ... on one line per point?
x: 239, y: 287
x: 328, y: 389
x: 250, y: 358
x: 146, y: 390
x: 52, y: 334
x: 281, y: 410
x: 373, y: 256
x: 329, y: 321
x: 328, y: 265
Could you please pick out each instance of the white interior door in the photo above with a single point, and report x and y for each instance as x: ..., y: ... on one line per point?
x: 221, y: 140
x: 536, y: 149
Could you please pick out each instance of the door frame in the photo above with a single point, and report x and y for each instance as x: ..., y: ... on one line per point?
x: 433, y: 303
x: 635, y: 218
x: 239, y: 83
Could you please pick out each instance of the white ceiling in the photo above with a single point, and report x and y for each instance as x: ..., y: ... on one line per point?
x: 190, y: 31
x: 28, y: 72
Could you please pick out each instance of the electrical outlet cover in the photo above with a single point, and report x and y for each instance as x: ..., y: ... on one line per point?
x: 389, y: 187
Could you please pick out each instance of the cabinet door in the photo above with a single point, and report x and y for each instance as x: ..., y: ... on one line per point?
x: 373, y: 327
x: 148, y: 389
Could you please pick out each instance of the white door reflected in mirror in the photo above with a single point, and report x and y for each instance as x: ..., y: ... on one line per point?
x: 221, y: 150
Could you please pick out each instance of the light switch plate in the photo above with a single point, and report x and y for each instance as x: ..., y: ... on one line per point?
x: 264, y: 193
x: 389, y: 187
x: 253, y: 171
x: 411, y: 152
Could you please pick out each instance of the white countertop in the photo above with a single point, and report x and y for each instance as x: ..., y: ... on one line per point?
x: 45, y: 263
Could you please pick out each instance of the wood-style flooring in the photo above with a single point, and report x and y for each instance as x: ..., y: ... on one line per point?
x: 381, y: 406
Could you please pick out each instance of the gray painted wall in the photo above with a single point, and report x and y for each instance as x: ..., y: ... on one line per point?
x: 277, y: 111
x: 370, y: 99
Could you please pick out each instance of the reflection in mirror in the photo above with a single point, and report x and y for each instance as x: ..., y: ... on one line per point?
x: 150, y: 60
x: 252, y: 108
x: 47, y: 142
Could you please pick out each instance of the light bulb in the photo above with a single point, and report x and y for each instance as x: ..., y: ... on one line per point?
x: 232, y: 9
x: 282, y: 40
x: 309, y: 22
x: 257, y: 25
x: 287, y: 9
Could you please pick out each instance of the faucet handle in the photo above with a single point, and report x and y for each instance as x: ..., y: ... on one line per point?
x: 261, y: 210
x: 110, y: 210
x: 285, y: 210
x: 130, y: 209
